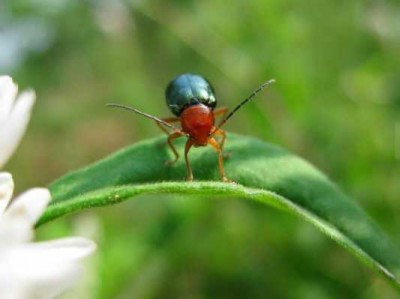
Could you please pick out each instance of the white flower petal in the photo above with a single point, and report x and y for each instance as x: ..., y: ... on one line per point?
x: 15, y: 231
x: 44, y: 269
x: 66, y: 249
x: 16, y: 223
x: 6, y: 190
x: 15, y: 293
x: 13, y: 128
x: 8, y: 93
x: 52, y: 285
x: 40, y: 286
x: 30, y: 204
x: 27, y: 269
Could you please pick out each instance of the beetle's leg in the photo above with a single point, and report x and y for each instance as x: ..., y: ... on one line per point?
x: 223, y: 138
x: 188, y: 145
x: 164, y: 129
x: 215, y: 145
x: 221, y: 111
x: 216, y: 131
x: 170, y: 139
x: 222, y: 142
x: 168, y: 120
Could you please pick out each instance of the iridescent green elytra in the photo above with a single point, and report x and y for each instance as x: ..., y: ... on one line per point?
x: 189, y: 89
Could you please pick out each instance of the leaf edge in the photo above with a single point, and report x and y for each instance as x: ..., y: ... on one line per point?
x: 114, y: 195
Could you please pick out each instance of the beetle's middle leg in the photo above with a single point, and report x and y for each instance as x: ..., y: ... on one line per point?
x: 170, y: 139
x: 221, y: 133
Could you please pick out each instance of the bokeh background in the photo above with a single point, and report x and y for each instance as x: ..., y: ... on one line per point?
x: 336, y: 103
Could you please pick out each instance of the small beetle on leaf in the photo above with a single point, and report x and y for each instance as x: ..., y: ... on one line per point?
x: 192, y: 100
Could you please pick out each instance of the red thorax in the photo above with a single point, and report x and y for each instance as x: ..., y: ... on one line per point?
x: 198, y: 121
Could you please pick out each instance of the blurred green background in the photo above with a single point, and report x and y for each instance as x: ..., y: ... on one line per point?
x: 336, y: 103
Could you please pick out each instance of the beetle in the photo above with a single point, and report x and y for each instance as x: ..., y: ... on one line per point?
x: 191, y: 98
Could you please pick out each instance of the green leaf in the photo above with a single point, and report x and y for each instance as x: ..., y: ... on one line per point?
x: 263, y: 172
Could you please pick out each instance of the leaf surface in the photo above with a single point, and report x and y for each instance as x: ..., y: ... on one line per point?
x: 262, y: 172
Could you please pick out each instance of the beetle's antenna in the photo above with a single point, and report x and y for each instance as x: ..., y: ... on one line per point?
x: 144, y: 114
x: 245, y: 101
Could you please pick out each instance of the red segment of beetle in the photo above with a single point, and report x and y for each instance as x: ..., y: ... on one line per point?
x: 198, y: 121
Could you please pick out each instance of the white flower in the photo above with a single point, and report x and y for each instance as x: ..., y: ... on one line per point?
x: 34, y: 270
x: 14, y: 116
x: 29, y: 270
